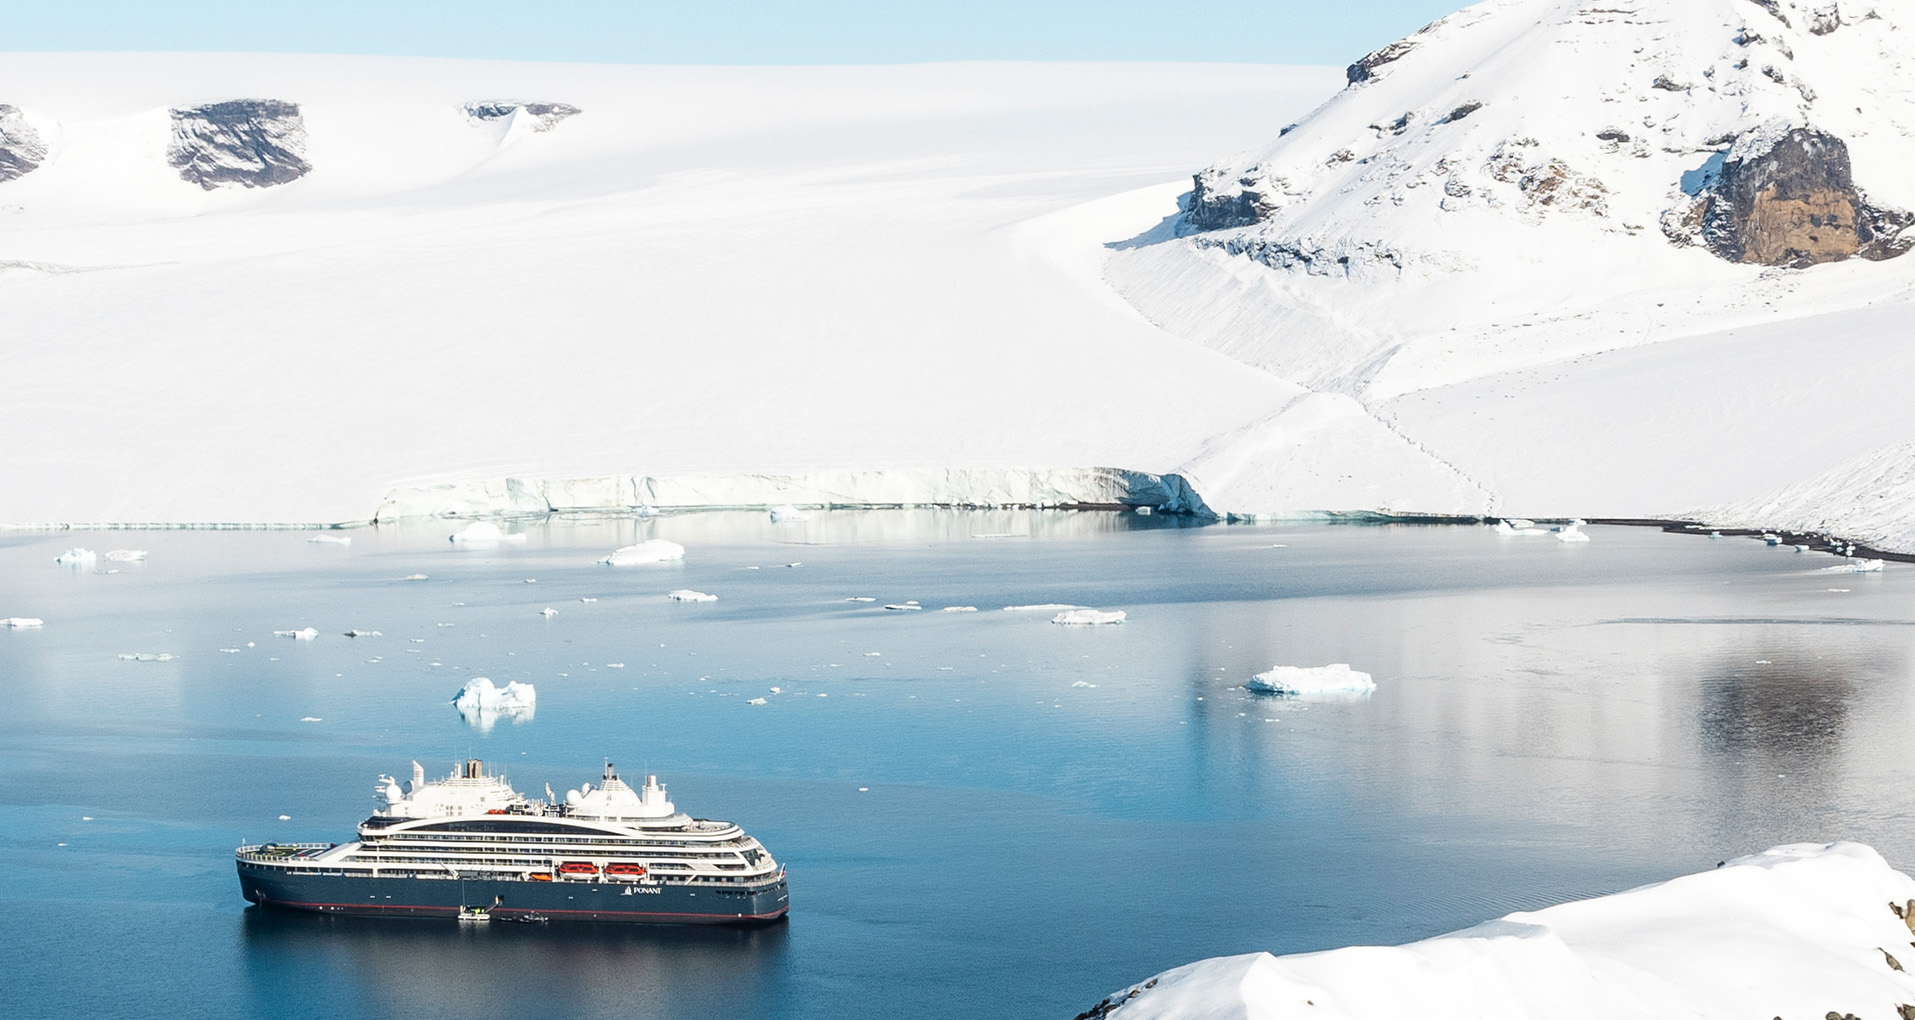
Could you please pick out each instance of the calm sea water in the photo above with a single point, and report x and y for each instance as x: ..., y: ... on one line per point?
x: 984, y: 814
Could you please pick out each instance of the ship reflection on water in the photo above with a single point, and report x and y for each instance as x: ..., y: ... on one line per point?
x: 433, y: 968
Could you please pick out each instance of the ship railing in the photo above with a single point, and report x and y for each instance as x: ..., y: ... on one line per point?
x: 267, y: 853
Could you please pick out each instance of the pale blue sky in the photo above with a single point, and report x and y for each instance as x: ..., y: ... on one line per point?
x: 736, y: 31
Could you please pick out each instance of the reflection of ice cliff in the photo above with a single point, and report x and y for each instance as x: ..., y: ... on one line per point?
x: 482, y: 705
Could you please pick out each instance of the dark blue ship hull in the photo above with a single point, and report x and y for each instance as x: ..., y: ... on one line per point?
x: 664, y: 903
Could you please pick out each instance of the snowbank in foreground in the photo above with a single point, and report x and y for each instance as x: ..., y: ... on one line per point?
x: 1797, y: 931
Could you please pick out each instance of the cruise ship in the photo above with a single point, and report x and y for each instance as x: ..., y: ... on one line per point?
x: 470, y: 842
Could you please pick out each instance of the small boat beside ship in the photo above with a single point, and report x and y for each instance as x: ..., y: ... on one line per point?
x: 471, y: 847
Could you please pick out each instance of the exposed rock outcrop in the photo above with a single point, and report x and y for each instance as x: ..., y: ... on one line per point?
x: 249, y: 143
x: 544, y: 116
x: 1788, y: 198
x: 21, y: 149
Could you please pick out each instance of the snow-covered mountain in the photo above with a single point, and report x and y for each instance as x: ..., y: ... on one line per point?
x: 1469, y: 236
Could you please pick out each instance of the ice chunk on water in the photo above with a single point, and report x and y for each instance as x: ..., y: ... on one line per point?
x: 331, y: 540
x: 302, y: 634
x: 1518, y: 526
x: 24, y: 621
x: 861, y: 598
x: 146, y: 657
x: 1572, y: 532
x: 1336, y: 678
x: 482, y: 705
x: 959, y: 609
x: 906, y: 606
x: 126, y: 555
x: 654, y: 550
x: 1088, y: 616
x: 688, y: 595
x: 485, y: 532
x: 755, y: 701
x: 787, y: 514
x: 1855, y: 567
x: 548, y: 612
x: 357, y: 633
x: 77, y: 557
x: 1045, y: 607
x: 413, y: 577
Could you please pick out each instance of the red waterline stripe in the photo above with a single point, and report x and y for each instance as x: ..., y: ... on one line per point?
x: 528, y: 910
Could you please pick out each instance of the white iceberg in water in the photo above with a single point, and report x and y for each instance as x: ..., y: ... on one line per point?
x: 1046, y: 607
x: 77, y: 557
x: 1088, y: 616
x: 482, y: 704
x: 146, y: 656
x: 127, y: 555
x: 331, y: 540
x: 788, y: 514
x: 688, y: 595
x: 1336, y: 678
x: 484, y: 532
x: 1518, y: 526
x: 1855, y: 567
x: 1571, y: 533
x: 24, y: 621
x: 302, y: 634
x: 654, y: 550
x: 959, y: 609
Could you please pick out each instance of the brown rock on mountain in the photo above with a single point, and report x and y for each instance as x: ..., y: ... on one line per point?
x: 1794, y: 203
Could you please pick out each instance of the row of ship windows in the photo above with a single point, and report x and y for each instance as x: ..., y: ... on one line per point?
x: 385, y: 850
x: 517, y: 862
x: 592, y: 837
x: 402, y: 873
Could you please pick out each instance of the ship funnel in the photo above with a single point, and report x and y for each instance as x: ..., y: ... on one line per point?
x: 418, y: 777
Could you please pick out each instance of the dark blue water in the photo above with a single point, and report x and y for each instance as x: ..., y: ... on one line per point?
x: 992, y: 816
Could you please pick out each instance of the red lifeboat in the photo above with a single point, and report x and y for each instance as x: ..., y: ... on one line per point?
x: 578, y: 868
x: 625, y: 870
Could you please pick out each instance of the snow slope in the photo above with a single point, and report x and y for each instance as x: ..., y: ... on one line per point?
x: 1797, y: 931
x: 716, y: 274
x: 1473, y: 244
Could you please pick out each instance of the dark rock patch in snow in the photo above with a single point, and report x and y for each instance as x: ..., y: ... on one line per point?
x: 1787, y: 199
x: 545, y: 116
x: 249, y: 143
x: 1365, y: 68
x: 1825, y: 19
x: 21, y: 149
x: 1219, y: 200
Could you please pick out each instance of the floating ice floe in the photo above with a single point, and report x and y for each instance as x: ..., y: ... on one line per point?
x: 1855, y: 567
x: 17, y: 622
x: 588, y: 598
x: 1336, y: 678
x: 861, y: 598
x: 1801, y: 548
x: 484, y: 532
x: 548, y: 612
x: 958, y: 609
x: 331, y: 540
x: 1086, y: 617
x: 311, y: 718
x: 755, y: 701
x: 688, y: 595
x: 146, y: 656
x: 482, y: 705
x: 356, y: 633
x: 1771, y: 539
x: 77, y: 557
x: 1572, y: 532
x: 1083, y: 683
x: 788, y: 514
x: 652, y: 550
x: 302, y: 634
x: 126, y: 555
x: 1046, y: 607
x: 413, y: 577
x: 1519, y: 526
x: 912, y: 605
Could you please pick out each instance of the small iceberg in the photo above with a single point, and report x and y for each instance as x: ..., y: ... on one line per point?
x: 688, y: 595
x: 77, y: 557
x: 861, y: 598
x: 1077, y: 617
x: 655, y: 550
x: 548, y: 612
x: 905, y: 606
x: 331, y: 540
x: 1768, y: 539
x: 958, y: 609
x: 1047, y: 607
x: 1336, y: 678
x: 788, y: 514
x: 357, y: 633
x: 1572, y: 532
x: 1518, y: 526
x: 484, y: 533
x: 755, y: 701
x: 1855, y: 567
x: 413, y: 577
x: 482, y: 705
x: 146, y: 656
x: 18, y: 622
x: 302, y: 634
x: 127, y: 555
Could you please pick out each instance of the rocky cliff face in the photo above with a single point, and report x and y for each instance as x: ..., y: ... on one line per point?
x: 249, y: 143
x: 543, y: 116
x: 1788, y: 198
x: 21, y: 149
